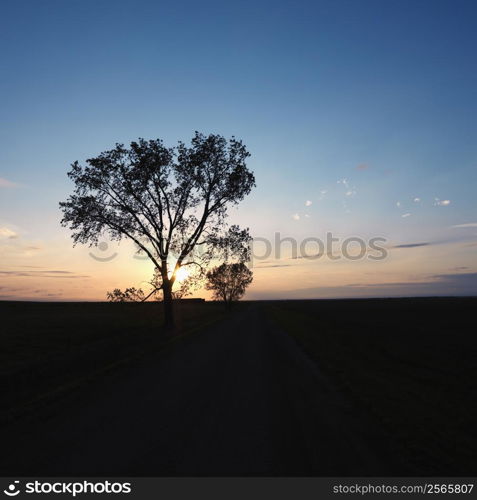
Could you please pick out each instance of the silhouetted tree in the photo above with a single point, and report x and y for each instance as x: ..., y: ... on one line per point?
x: 129, y: 295
x: 171, y: 202
x: 229, y: 281
x: 138, y: 295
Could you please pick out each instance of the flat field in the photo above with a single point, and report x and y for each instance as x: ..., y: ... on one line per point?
x: 319, y: 387
x: 410, y: 362
x: 47, y: 347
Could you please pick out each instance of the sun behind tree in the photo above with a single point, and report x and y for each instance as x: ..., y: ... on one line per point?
x: 168, y: 201
x: 182, y: 274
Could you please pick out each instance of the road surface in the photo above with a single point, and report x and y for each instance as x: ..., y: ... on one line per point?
x: 240, y: 399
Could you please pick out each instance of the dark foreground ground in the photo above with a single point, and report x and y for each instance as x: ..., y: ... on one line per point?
x: 330, y: 388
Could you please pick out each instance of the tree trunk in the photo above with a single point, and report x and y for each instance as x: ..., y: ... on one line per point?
x: 168, y: 305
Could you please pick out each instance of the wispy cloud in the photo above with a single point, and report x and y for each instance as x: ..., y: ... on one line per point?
x: 273, y: 265
x: 349, y: 190
x: 362, y: 166
x: 295, y: 217
x: 42, y: 274
x: 322, y: 194
x: 308, y: 203
x: 454, y: 240
x: 451, y: 279
x: 468, y: 224
x: 417, y: 200
x: 412, y: 245
x: 5, y: 183
x: 5, y: 232
x: 453, y: 284
x: 441, y: 203
x: 463, y: 285
x: 406, y: 215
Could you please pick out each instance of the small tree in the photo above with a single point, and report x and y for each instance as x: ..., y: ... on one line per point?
x: 129, y: 295
x: 229, y: 281
x: 168, y: 201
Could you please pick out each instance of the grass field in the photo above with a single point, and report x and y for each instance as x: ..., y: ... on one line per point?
x: 47, y: 347
x: 412, y: 363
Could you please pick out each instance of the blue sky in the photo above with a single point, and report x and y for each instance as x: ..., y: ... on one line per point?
x: 380, y: 93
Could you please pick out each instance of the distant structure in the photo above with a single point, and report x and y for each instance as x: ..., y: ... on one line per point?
x: 190, y: 300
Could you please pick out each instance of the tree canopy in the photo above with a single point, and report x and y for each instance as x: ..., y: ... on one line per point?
x: 229, y: 281
x: 170, y: 201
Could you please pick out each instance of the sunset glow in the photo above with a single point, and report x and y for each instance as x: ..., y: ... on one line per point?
x: 182, y: 274
x: 336, y: 146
